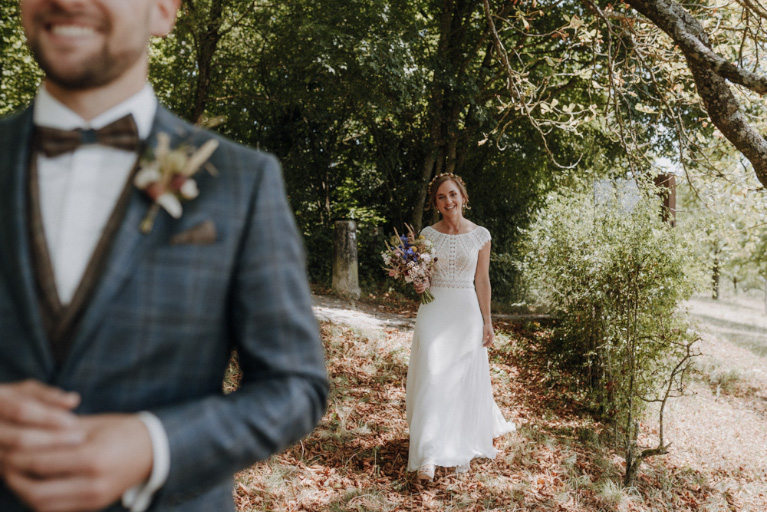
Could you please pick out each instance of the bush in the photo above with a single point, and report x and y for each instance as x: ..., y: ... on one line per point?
x: 319, y: 254
x: 615, y: 280
x: 506, y: 280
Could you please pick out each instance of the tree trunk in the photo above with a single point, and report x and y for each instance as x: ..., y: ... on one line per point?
x: 715, y: 278
x: 445, y: 104
x: 207, y: 44
x: 420, y: 201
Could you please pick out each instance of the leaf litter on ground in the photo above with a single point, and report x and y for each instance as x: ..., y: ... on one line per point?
x: 560, y: 459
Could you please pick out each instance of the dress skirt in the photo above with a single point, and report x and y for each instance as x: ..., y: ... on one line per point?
x: 451, y: 413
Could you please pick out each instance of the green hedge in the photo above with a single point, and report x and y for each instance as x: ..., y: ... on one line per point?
x: 615, y: 279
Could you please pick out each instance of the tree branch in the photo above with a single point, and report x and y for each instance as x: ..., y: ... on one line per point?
x: 709, y: 73
x: 755, y: 7
x: 692, y: 39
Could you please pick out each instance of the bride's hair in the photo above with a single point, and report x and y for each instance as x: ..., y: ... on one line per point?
x: 438, y: 180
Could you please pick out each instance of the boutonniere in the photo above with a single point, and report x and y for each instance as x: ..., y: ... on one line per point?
x: 166, y: 176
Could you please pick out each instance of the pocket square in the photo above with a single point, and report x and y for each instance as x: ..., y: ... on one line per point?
x: 203, y: 233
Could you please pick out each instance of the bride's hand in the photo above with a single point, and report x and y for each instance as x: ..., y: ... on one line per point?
x: 421, y: 286
x: 488, y: 336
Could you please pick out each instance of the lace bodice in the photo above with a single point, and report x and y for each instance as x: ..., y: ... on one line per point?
x: 456, y: 256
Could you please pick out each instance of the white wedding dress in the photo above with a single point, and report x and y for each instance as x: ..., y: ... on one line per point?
x: 451, y: 412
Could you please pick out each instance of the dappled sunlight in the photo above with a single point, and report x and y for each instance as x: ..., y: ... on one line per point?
x: 560, y: 459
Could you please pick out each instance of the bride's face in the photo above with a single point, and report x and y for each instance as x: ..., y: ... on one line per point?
x: 449, y: 199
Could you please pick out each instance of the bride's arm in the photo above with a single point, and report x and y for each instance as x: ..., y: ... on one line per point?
x: 482, y: 285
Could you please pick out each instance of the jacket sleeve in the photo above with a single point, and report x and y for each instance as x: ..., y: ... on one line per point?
x: 271, y: 325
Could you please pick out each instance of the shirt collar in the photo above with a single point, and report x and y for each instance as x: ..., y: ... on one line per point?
x: 48, y: 111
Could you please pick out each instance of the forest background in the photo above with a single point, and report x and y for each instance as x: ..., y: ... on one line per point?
x: 365, y: 101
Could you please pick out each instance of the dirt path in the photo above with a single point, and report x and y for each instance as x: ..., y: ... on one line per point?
x: 720, y: 428
x: 718, y: 431
x: 357, y: 315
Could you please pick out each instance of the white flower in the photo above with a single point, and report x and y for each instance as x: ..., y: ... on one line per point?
x: 171, y: 204
x: 163, y: 146
x: 199, y: 157
x: 147, y: 175
x: 189, y: 189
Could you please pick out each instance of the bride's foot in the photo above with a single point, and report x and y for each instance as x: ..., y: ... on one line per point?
x: 462, y: 468
x: 426, y: 472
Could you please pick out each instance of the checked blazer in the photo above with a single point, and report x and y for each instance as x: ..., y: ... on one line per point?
x: 166, y: 312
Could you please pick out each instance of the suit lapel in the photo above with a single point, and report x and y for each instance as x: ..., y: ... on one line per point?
x: 15, y: 256
x: 127, y: 250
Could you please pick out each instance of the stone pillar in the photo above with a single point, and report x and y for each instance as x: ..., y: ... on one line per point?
x: 345, y: 268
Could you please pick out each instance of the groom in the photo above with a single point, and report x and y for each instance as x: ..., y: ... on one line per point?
x: 114, y: 340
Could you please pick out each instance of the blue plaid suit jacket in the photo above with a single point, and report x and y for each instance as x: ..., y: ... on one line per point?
x: 163, y: 319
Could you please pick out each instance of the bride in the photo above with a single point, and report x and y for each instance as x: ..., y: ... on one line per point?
x: 451, y: 413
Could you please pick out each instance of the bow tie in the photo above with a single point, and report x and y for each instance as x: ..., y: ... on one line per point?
x: 121, y: 134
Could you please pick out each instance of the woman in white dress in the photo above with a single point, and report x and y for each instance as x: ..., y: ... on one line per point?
x: 451, y: 413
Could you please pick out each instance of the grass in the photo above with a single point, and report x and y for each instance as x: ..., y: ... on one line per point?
x: 558, y: 460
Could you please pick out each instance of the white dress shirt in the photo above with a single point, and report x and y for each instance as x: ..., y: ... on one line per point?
x: 78, y: 192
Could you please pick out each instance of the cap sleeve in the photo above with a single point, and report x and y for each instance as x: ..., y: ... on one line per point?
x: 481, y: 237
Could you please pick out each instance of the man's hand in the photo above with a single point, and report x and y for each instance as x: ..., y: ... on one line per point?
x: 115, y: 456
x: 56, y: 461
x: 34, y: 416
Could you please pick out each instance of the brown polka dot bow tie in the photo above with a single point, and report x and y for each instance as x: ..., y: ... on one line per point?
x: 121, y: 134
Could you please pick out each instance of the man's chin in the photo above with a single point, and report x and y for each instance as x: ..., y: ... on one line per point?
x: 75, y: 76
x: 76, y: 80
x: 74, y: 83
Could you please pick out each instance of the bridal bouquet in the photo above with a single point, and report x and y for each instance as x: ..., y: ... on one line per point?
x: 410, y: 258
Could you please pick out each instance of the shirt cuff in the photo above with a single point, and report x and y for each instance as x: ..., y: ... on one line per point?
x: 138, y: 498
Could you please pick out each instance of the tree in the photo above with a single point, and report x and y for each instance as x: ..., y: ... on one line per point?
x: 729, y: 213
x: 718, y: 47
x: 19, y: 75
x: 365, y: 101
x: 471, y: 77
x: 711, y: 71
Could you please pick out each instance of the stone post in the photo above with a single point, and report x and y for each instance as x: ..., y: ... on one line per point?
x: 345, y: 268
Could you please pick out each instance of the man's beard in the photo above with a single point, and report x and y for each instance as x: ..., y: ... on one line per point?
x: 97, y: 71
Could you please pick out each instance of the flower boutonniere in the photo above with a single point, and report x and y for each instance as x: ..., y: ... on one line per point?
x: 166, y: 177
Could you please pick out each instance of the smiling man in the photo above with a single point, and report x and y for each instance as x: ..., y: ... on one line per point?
x: 116, y: 333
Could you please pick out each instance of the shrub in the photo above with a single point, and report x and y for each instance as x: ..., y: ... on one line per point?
x: 506, y: 280
x: 615, y: 280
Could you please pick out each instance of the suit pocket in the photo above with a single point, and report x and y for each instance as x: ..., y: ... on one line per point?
x: 203, y: 233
